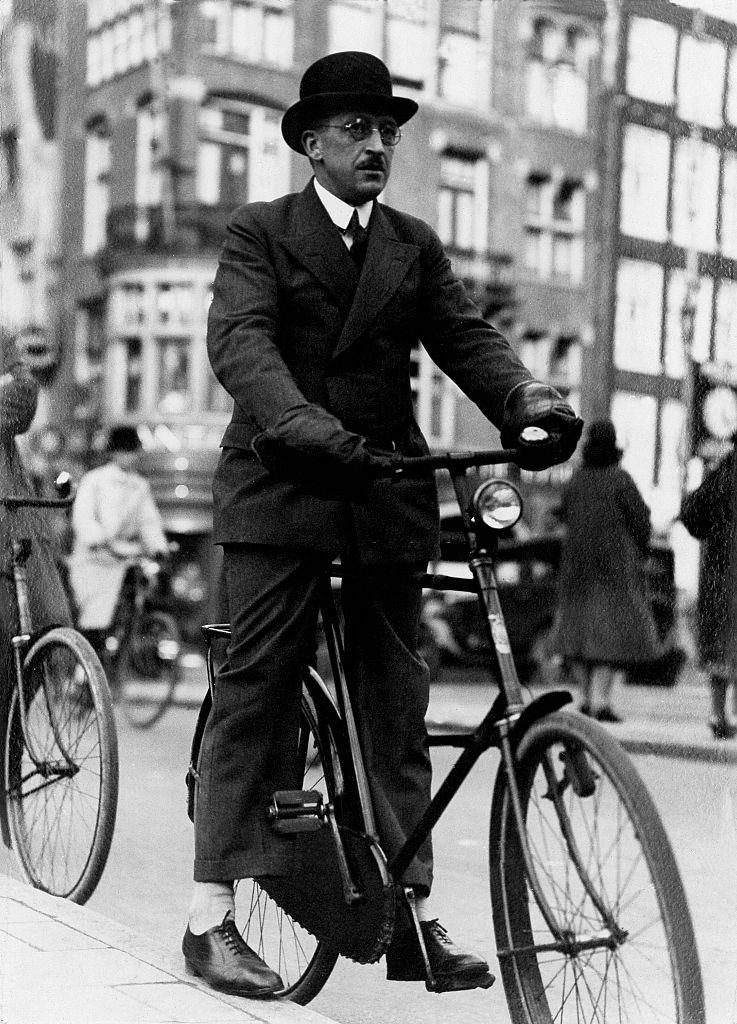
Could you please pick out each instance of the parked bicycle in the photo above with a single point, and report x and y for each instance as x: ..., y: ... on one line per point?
x: 141, y: 648
x: 589, y: 911
x: 60, y: 751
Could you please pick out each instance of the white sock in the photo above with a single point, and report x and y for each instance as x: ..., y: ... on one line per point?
x: 211, y: 901
x: 424, y: 908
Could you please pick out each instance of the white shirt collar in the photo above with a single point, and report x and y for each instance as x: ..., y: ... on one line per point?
x: 339, y: 212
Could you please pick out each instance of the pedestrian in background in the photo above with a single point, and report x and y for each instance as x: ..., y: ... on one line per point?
x: 707, y: 515
x: 115, y: 520
x: 49, y: 606
x: 604, y: 622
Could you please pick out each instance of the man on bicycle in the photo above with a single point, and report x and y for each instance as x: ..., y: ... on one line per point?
x: 319, y: 299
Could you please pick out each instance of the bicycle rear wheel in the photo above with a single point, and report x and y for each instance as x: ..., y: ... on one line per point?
x: 149, y: 672
x: 61, y: 775
x: 621, y: 944
x: 304, y: 962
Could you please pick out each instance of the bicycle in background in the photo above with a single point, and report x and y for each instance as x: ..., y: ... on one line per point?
x: 60, y: 750
x: 141, y: 649
x: 589, y: 911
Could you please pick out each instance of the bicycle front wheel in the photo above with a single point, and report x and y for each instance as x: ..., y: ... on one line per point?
x: 148, y: 676
x: 303, y: 961
x: 608, y: 936
x: 61, y: 769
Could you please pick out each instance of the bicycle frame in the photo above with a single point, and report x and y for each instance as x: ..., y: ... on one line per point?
x: 503, y: 725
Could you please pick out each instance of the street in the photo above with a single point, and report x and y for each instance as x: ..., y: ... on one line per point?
x: 147, y: 880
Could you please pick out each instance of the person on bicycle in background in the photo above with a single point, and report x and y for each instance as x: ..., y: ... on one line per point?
x: 49, y: 605
x: 319, y: 299
x: 114, y: 520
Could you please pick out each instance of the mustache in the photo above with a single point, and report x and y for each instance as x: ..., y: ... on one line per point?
x: 377, y: 163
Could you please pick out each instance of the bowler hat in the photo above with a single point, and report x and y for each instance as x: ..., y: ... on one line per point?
x: 601, y: 447
x: 123, y: 438
x: 350, y: 80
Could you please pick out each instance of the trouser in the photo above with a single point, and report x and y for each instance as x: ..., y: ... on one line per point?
x: 248, y: 747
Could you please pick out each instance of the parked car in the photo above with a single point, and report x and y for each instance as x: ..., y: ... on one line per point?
x: 527, y: 571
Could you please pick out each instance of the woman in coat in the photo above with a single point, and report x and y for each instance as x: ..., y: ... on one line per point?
x: 707, y: 515
x: 604, y: 621
x: 49, y: 606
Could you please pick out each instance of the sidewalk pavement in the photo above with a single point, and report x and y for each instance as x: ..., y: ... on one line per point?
x: 65, y: 964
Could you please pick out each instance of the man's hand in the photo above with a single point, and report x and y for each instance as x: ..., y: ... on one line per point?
x: 534, y: 404
x: 310, y: 447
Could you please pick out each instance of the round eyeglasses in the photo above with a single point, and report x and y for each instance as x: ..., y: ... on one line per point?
x: 361, y: 128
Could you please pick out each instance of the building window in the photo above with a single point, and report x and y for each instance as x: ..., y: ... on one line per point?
x: 240, y: 156
x: 728, y: 229
x: 673, y: 353
x: 701, y: 81
x: 695, y: 194
x: 651, y: 44
x: 8, y: 160
x: 124, y: 36
x: 149, y: 138
x: 256, y: 31
x: 434, y: 397
x: 725, y: 324
x: 554, y: 223
x: 464, y: 45
x: 397, y: 32
x: 644, y: 189
x: 96, y: 187
x: 637, y: 329
x: 457, y: 202
x: 156, y: 366
x: 556, y: 73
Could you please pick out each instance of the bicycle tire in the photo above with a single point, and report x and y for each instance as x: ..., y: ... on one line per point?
x: 145, y: 682
x: 303, y: 961
x: 62, y: 827
x: 649, y: 973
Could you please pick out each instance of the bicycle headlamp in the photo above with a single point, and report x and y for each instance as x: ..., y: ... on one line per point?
x: 497, y: 504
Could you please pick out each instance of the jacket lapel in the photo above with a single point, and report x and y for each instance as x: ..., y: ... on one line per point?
x: 315, y: 241
x: 385, y: 267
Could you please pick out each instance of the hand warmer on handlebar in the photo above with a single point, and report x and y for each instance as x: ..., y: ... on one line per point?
x: 533, y: 404
x: 310, y: 447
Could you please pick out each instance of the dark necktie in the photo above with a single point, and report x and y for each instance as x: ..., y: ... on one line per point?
x: 360, y: 239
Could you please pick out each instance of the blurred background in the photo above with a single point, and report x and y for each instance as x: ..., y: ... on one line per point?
x: 578, y: 158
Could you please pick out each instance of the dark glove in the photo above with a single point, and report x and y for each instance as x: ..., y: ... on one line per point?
x: 310, y: 447
x: 17, y: 404
x: 533, y: 404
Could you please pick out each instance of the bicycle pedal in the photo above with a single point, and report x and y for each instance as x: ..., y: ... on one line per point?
x: 296, y: 810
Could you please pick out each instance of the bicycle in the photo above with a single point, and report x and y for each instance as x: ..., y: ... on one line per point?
x: 141, y: 648
x: 60, y: 749
x: 589, y: 911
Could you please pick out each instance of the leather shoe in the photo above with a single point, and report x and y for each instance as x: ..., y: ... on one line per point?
x: 453, y: 969
x: 225, y: 962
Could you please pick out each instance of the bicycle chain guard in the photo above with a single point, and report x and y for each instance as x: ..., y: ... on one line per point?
x: 313, y: 893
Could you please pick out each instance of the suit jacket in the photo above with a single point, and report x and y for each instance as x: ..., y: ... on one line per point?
x: 293, y: 321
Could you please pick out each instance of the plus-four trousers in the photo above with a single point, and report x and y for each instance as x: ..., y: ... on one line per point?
x: 249, y: 743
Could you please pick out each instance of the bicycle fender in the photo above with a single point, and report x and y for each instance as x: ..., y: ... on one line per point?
x: 545, y: 704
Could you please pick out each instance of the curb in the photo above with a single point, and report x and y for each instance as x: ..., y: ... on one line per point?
x: 121, y: 939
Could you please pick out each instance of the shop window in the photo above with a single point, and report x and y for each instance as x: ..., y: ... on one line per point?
x: 674, y: 354
x: 644, y: 190
x: 725, y: 324
x: 174, y: 396
x: 728, y: 230
x: 133, y: 374
x: 635, y: 418
x: 434, y: 399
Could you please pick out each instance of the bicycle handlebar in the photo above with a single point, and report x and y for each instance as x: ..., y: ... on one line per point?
x: 13, y: 501
x: 423, y: 465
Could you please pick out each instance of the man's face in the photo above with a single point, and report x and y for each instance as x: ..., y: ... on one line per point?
x: 354, y: 171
